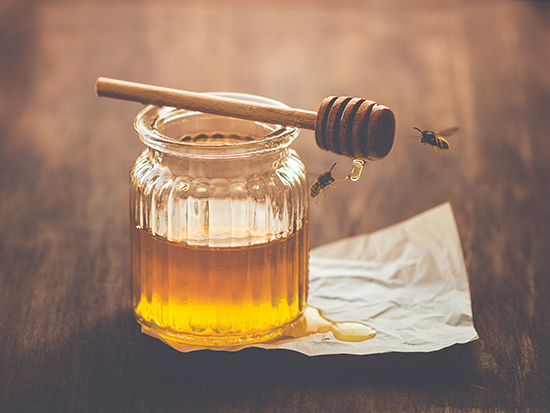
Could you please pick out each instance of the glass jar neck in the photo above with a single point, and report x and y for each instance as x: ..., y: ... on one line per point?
x: 206, y: 137
x: 228, y: 166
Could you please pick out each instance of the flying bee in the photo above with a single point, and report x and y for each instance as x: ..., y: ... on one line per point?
x: 436, y: 140
x: 323, y: 181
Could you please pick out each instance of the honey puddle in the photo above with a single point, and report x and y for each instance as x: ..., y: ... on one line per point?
x: 313, y: 321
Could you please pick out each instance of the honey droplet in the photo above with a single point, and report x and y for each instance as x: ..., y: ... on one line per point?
x: 313, y: 321
x: 356, y: 169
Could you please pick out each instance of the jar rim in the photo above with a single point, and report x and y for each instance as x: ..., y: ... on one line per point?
x: 148, y: 121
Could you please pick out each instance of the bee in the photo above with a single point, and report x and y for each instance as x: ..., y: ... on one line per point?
x: 323, y: 181
x: 436, y: 140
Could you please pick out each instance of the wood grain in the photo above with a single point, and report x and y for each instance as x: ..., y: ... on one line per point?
x: 67, y: 337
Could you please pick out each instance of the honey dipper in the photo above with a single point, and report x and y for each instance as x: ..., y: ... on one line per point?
x: 354, y: 127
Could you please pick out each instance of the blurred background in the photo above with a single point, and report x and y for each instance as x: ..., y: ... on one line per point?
x: 415, y: 57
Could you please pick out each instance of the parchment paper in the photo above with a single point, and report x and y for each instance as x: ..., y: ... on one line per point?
x: 408, y: 281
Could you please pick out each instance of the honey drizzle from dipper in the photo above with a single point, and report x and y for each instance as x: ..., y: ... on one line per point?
x: 356, y: 169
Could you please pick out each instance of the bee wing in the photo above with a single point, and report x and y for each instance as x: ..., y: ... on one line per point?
x: 447, y: 132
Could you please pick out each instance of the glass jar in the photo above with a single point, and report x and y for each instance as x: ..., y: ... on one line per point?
x: 219, y: 227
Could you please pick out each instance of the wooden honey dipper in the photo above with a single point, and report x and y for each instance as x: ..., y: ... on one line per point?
x: 354, y: 127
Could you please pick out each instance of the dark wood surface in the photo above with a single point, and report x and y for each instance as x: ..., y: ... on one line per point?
x: 68, y: 341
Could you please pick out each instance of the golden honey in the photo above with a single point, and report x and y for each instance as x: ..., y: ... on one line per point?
x: 314, y: 321
x: 195, y: 293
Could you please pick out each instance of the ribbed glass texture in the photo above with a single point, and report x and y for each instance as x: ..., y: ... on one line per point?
x: 219, y: 228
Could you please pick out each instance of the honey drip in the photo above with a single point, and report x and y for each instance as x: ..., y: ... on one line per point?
x: 313, y: 321
x: 356, y: 169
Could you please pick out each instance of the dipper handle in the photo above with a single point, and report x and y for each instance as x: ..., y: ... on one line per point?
x: 347, y: 126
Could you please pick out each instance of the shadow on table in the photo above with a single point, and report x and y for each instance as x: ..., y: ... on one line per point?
x: 114, y: 367
x: 261, y: 378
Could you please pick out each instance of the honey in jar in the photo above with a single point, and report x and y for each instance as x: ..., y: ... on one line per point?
x: 219, y: 228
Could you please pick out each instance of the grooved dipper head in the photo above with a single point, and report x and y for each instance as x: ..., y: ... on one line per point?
x: 355, y: 127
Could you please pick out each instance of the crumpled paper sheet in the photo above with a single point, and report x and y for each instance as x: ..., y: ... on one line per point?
x: 407, y: 281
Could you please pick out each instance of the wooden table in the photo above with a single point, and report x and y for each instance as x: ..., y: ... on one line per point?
x: 68, y: 341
